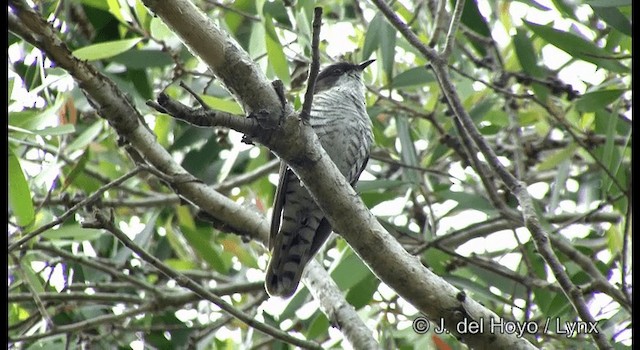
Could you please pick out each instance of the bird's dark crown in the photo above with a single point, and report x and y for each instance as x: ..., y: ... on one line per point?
x: 330, y: 75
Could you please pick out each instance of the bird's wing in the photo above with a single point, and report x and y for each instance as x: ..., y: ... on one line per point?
x: 357, y: 177
x: 278, y: 202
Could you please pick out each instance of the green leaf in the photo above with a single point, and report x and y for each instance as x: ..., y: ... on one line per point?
x: 472, y: 18
x: 349, y: 270
x: 140, y: 81
x: 577, y: 47
x: 17, y: 313
x: 88, y: 136
x: 529, y: 61
x: 105, y: 49
x: 408, y: 153
x: 376, y: 185
x: 141, y: 239
x: 19, y: 194
x: 609, y: 154
x: 607, y: 3
x: 35, y: 119
x: 414, y: 77
x: 361, y: 294
x: 31, y: 278
x: 479, y: 291
x: 277, y: 11
x: 565, y: 7
x: 11, y: 82
x: 275, y: 53
x: 387, y: 48
x: 468, y: 201
x: 526, y: 54
x: 558, y: 186
x: 30, y: 74
x: 77, y: 169
x: 116, y: 10
x: 73, y: 232
x: 613, y: 17
x: 318, y: 326
x: 176, y: 242
x: 304, y: 31
x: 234, y: 245
x: 295, y: 303
x: 556, y: 158
x: 143, y: 14
x: 48, y: 131
x: 372, y: 37
x: 492, y: 278
x: 99, y: 4
x: 614, y: 239
x: 225, y: 105
x: 200, y: 243
x: 490, y: 129
x: 159, y: 29
x: 239, y: 25
x: 593, y: 101
x: 180, y: 265
x: 480, y: 109
x: 56, y: 130
x: 143, y: 59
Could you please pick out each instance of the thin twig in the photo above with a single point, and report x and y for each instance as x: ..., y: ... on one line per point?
x: 517, y: 188
x: 248, y: 177
x: 95, y: 264
x: 439, y: 19
x: 453, y: 28
x: 77, y: 297
x: 315, y: 65
x: 625, y: 249
x: 33, y: 294
x: 101, y: 221
x: 88, y: 323
x: 51, y: 150
x: 95, y: 196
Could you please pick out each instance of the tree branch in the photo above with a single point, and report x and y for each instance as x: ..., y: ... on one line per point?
x: 101, y: 221
x: 315, y: 65
x: 94, y: 197
x: 453, y: 28
x: 232, y: 65
x: 531, y: 220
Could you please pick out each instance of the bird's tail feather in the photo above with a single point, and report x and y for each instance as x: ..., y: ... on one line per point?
x: 286, y: 265
x: 291, y: 252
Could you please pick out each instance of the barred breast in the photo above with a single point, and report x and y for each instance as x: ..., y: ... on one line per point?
x: 340, y: 120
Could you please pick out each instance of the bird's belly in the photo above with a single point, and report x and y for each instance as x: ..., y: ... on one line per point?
x: 347, y: 144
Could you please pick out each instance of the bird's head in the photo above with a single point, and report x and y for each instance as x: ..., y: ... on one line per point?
x: 340, y: 74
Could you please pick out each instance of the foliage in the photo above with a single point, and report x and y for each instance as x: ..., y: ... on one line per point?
x: 548, y: 84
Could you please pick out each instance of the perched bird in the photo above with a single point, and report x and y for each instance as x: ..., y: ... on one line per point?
x: 339, y: 118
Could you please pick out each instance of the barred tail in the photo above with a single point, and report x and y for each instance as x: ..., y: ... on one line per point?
x: 287, y: 264
x: 292, y: 251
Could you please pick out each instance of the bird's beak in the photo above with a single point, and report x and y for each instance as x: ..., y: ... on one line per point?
x: 365, y: 64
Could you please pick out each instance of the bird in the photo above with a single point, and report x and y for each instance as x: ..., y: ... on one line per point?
x: 299, y: 228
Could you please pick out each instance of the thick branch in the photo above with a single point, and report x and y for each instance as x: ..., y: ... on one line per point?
x: 203, y: 117
x: 218, y: 50
x: 248, y: 81
x: 298, y: 145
